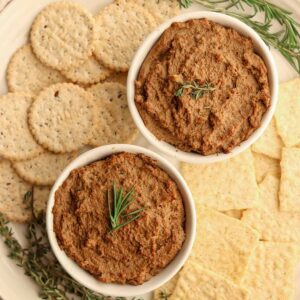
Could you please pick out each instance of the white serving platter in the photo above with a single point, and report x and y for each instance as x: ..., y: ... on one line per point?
x: 16, y: 17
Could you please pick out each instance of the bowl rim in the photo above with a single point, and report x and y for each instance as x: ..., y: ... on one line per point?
x: 143, y: 51
x: 124, y: 290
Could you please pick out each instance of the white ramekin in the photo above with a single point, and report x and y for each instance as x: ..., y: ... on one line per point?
x: 166, y: 274
x: 260, y: 48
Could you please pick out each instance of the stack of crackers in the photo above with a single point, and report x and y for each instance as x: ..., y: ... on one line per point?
x: 248, y: 231
x: 67, y: 93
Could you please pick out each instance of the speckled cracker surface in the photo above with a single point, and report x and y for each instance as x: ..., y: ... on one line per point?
x: 162, y: 10
x: 270, y: 274
x: 166, y: 290
x: 114, y: 121
x: 40, y: 200
x: 16, y: 141
x: 62, y: 35
x: 196, y: 282
x: 120, y: 29
x: 219, y: 185
x: 270, y: 143
x: 223, y: 244
x: 25, y: 73
x: 61, y: 117
x: 90, y: 72
x: 287, y: 114
x: 289, y: 194
x: 265, y: 165
x: 44, y: 168
x: 12, y: 191
x: 272, y: 224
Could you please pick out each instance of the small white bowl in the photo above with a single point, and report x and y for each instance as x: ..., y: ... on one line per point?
x: 166, y: 274
x: 260, y: 48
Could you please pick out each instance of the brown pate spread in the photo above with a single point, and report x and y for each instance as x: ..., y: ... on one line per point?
x: 203, y: 51
x: 137, y: 251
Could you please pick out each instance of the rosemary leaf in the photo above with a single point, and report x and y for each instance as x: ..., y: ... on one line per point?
x: 117, y: 216
x: 196, y: 90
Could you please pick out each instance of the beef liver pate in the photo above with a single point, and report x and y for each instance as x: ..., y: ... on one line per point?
x: 137, y: 251
x: 203, y: 51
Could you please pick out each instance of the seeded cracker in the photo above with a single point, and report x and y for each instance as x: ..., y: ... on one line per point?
x: 114, y: 122
x: 12, y: 191
x: 196, y: 282
x: 61, y: 118
x: 25, y: 73
x: 43, y: 169
x: 16, y: 141
x: 287, y: 114
x: 62, y: 35
x: 265, y: 165
x: 272, y: 224
x: 290, y: 180
x: 219, y: 185
x: 40, y: 199
x: 270, y: 143
x: 91, y: 71
x: 271, y: 271
x: 120, y: 29
x: 223, y: 244
x: 162, y: 10
x: 167, y: 289
x: 119, y: 77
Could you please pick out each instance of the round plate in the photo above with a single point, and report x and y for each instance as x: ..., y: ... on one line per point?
x: 16, y: 17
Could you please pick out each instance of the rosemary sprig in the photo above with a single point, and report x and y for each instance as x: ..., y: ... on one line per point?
x: 286, y: 40
x: 197, y: 90
x: 117, y: 216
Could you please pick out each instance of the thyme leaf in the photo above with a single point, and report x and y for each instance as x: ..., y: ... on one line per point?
x: 286, y: 40
x: 196, y: 90
x: 117, y: 216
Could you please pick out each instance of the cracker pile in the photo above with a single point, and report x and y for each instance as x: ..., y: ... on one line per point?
x: 67, y: 93
x: 248, y: 218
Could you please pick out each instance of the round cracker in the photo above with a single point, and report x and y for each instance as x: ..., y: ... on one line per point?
x: 162, y: 10
x: 43, y: 169
x: 115, y: 124
x: 40, y: 200
x: 12, y: 192
x: 25, y: 73
x: 62, y: 35
x: 91, y: 71
x: 120, y: 29
x: 61, y: 117
x: 16, y: 140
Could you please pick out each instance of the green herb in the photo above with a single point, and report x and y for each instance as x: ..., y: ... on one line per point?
x: 163, y: 295
x: 197, y: 90
x: 27, y: 199
x: 40, y: 264
x: 117, y: 216
x: 286, y: 40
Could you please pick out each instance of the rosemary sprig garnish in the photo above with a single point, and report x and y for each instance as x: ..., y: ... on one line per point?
x: 286, y: 40
x: 197, y: 90
x: 117, y: 216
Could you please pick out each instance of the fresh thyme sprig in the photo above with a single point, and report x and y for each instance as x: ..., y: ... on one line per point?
x: 286, y: 40
x: 117, y: 216
x: 197, y: 90
x: 39, y: 263
x: 27, y: 199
